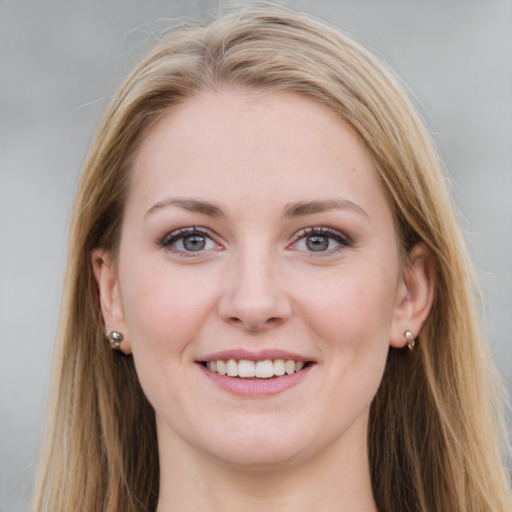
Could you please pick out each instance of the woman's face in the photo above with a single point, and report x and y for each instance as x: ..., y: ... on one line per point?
x: 256, y: 232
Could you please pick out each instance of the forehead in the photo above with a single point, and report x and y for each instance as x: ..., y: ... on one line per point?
x: 238, y: 146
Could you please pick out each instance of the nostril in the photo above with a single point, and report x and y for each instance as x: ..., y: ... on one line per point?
x: 254, y: 301
x: 253, y: 324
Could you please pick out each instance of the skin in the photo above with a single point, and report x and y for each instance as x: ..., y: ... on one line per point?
x: 258, y: 285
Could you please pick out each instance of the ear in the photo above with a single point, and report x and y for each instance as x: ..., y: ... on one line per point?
x: 105, y: 272
x: 415, y: 295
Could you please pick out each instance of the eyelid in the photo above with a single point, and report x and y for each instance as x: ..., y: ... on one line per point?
x: 342, y: 239
x: 166, y: 241
x: 169, y: 238
x: 176, y: 234
x: 323, y: 230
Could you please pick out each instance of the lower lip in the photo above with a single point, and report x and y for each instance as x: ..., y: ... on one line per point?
x: 256, y: 388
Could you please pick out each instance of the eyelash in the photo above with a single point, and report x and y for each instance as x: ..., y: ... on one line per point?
x: 182, y: 233
x: 321, y: 231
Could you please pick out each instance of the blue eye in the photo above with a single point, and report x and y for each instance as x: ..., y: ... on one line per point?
x: 194, y: 242
x: 320, y: 240
x: 318, y: 243
x: 188, y: 240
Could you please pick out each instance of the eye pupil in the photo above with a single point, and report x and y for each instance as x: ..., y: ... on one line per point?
x: 317, y: 242
x: 194, y: 242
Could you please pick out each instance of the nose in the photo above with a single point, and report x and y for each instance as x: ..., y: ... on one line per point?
x: 253, y: 297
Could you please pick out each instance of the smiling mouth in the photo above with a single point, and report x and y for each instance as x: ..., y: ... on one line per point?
x: 246, y: 369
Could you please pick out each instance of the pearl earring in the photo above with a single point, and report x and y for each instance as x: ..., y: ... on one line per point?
x: 410, y: 339
x: 115, y: 339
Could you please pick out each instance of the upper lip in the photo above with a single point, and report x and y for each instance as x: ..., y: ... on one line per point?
x: 260, y: 355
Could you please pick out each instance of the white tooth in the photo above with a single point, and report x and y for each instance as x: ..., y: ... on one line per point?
x: 299, y: 365
x: 289, y: 366
x: 221, y: 367
x: 212, y: 366
x: 246, y: 368
x: 232, y: 368
x: 279, y: 367
x: 264, y: 369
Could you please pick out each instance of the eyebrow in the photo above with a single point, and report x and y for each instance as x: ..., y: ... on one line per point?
x: 291, y: 210
x: 189, y: 204
x: 303, y: 208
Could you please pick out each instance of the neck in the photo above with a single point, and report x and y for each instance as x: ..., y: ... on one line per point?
x: 336, y: 479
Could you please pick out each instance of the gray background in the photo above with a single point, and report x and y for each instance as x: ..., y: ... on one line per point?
x: 60, y: 61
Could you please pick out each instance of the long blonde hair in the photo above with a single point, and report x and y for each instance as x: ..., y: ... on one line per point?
x: 435, y: 424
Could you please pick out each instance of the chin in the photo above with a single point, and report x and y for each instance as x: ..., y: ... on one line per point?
x: 253, y: 456
x: 262, y: 445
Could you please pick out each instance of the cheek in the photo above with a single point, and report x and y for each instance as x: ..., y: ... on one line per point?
x: 165, y: 312
x: 352, y: 304
x: 351, y: 316
x: 164, y: 309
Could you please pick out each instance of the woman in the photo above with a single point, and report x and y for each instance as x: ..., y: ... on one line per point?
x: 269, y: 303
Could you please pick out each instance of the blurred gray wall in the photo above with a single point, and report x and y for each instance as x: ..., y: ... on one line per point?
x: 60, y: 62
